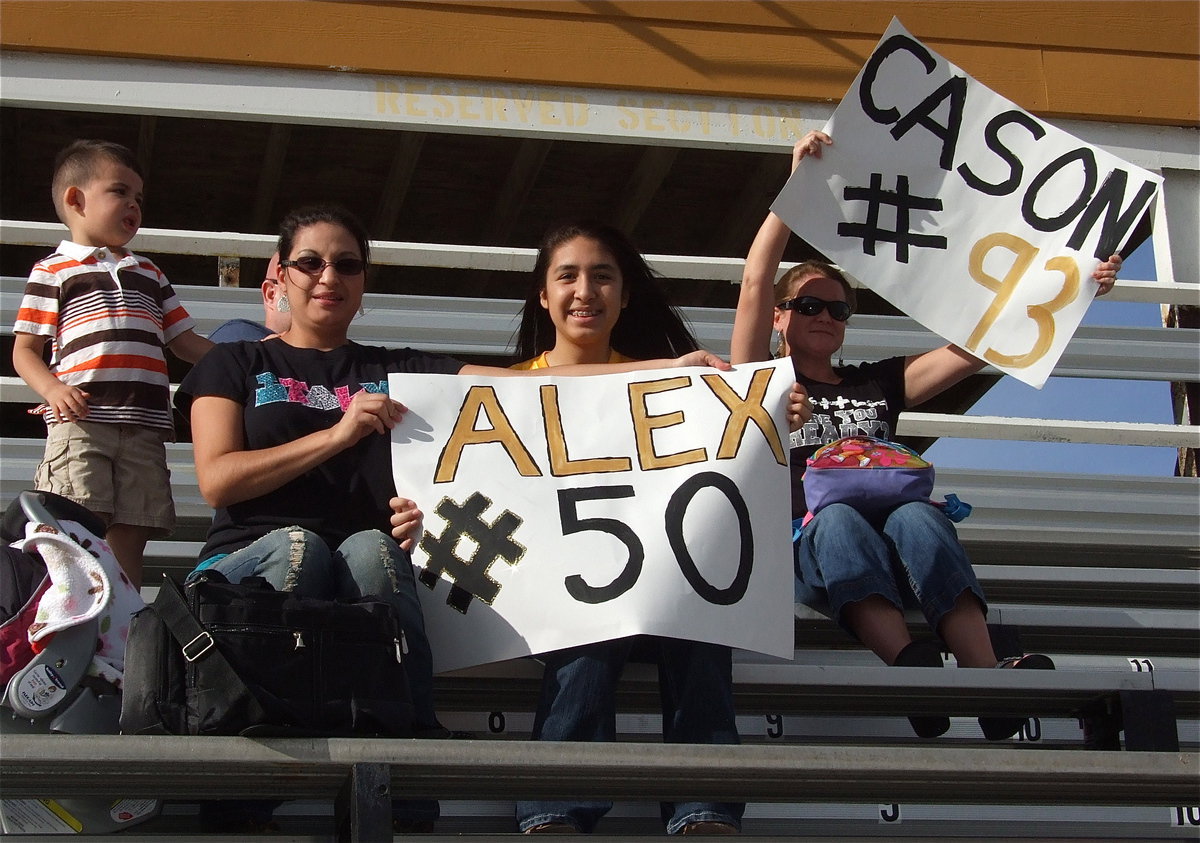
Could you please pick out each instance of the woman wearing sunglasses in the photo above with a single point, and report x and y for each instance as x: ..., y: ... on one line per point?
x: 865, y: 571
x: 292, y: 448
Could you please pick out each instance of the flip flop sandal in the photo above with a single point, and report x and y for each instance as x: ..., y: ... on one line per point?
x: 1035, y: 661
x: 1003, y: 728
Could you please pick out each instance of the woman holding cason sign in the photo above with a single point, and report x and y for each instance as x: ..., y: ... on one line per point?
x: 865, y: 569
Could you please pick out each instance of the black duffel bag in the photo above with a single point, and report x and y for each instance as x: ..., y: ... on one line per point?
x: 245, y: 659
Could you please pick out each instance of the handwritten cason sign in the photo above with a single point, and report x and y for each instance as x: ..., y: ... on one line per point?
x: 561, y: 511
x: 968, y: 213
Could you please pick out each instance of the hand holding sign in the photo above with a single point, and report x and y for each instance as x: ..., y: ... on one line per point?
x: 406, y: 521
x: 971, y: 215
x: 1105, y: 274
x: 544, y: 529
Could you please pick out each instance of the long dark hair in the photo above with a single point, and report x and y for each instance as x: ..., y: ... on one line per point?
x: 313, y: 214
x: 648, y: 327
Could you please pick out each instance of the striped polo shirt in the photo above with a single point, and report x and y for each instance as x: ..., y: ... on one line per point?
x: 108, y: 319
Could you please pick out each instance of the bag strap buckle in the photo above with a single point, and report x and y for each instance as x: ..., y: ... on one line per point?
x: 205, y: 643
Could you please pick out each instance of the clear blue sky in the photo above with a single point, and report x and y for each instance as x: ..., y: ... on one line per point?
x: 1083, y: 399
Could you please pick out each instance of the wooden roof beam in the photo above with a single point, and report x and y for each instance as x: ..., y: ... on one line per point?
x: 396, y: 184
x: 270, y: 176
x: 745, y: 214
x: 145, y: 146
x: 522, y: 174
x: 652, y: 169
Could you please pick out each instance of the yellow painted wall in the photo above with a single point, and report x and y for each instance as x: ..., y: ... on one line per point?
x: 1091, y: 59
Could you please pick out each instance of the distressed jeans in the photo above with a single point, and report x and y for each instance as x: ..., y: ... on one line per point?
x: 578, y: 703
x: 368, y: 562
x: 911, y: 556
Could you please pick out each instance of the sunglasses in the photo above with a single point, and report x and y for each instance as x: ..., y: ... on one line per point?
x: 312, y: 265
x: 811, y: 306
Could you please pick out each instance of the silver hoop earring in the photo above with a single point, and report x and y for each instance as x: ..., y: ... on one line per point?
x: 841, y: 362
x: 282, y: 305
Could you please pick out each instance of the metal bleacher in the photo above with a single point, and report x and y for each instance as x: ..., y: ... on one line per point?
x: 1101, y: 572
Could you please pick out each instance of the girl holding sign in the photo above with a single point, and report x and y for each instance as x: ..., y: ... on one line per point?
x: 862, y: 570
x: 594, y: 300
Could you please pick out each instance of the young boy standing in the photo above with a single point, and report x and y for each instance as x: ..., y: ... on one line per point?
x: 108, y: 313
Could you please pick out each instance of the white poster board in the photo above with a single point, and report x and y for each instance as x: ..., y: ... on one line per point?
x: 561, y: 511
x: 977, y: 219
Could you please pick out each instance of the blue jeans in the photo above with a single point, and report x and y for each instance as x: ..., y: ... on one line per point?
x: 911, y: 556
x: 578, y: 703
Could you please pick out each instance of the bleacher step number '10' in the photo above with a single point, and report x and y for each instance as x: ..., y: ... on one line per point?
x: 1187, y: 816
x: 1031, y: 730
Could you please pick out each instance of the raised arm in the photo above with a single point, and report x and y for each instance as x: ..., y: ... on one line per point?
x: 751, y: 341
x: 228, y: 473
x: 928, y: 374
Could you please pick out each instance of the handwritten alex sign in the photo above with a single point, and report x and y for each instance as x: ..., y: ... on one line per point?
x: 567, y: 510
x: 971, y: 215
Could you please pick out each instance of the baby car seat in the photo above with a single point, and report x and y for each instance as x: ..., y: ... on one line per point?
x: 58, y: 684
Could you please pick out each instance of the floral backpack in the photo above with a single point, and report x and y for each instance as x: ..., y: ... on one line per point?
x: 873, y: 476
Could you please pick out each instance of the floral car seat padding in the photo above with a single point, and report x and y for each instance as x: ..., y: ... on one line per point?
x: 86, y: 582
x: 872, y: 475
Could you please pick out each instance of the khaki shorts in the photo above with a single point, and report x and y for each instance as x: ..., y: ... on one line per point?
x: 119, y: 471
